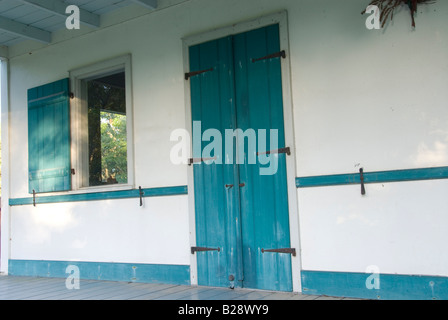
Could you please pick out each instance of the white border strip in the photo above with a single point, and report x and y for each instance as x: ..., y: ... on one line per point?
x: 5, y: 221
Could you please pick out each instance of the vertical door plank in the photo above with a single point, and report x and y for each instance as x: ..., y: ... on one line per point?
x: 264, y: 203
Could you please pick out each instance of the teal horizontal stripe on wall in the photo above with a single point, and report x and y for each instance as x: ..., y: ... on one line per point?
x: 146, y: 273
x: 301, y: 182
x: 125, y: 194
x: 389, y: 286
x: 373, y: 177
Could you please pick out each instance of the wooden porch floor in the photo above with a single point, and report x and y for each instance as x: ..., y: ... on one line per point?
x: 29, y: 288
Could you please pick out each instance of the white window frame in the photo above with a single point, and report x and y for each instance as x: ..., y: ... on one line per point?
x: 79, y: 133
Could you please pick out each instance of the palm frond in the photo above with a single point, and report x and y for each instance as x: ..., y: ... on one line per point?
x: 387, y: 8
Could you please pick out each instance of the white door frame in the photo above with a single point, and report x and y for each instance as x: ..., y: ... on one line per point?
x: 5, y: 214
x: 281, y: 19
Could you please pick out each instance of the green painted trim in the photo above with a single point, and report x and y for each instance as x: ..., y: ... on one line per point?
x: 373, y: 177
x: 96, y: 196
x: 388, y: 286
x: 129, y: 272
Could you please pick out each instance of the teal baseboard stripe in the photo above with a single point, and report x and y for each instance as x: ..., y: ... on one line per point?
x: 125, y: 194
x: 146, y: 273
x: 391, y: 286
x: 373, y: 177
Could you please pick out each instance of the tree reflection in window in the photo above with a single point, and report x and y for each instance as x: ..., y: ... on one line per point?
x: 107, y: 130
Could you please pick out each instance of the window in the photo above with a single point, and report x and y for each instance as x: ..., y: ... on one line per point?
x: 102, y: 148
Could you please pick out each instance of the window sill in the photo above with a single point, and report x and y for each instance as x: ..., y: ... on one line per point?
x: 83, y: 190
x: 109, y: 188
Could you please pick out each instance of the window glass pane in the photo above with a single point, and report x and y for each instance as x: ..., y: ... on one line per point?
x: 113, y: 148
x: 107, y: 130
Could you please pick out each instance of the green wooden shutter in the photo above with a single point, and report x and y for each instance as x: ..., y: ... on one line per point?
x: 49, y: 137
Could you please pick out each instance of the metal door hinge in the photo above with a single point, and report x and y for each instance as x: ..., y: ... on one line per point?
x: 286, y: 150
x: 199, y: 160
x: 195, y: 73
x: 282, y: 250
x: 202, y: 249
x: 281, y: 54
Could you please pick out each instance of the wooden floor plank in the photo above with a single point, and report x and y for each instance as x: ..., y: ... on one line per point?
x: 58, y: 295
x: 135, y: 292
x: 276, y: 296
x: 32, y: 288
x: 228, y: 294
x: 42, y: 291
x: 328, y: 298
x: 192, y: 293
x: 205, y: 294
x: 255, y: 295
x: 160, y: 293
x: 17, y: 285
x: 95, y: 289
x: 303, y: 297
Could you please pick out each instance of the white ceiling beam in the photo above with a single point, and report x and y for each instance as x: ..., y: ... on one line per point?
x: 58, y: 7
x: 23, y: 30
x: 150, y: 4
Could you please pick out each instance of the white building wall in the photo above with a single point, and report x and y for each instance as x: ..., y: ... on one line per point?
x: 361, y: 98
x: 398, y: 227
x: 369, y: 98
x: 114, y: 231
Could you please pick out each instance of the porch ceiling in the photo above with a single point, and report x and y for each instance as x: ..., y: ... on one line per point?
x: 37, y: 19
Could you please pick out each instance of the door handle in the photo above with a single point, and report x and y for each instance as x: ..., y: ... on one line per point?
x: 229, y: 186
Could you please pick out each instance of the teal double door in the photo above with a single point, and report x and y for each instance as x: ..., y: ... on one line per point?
x: 241, y: 198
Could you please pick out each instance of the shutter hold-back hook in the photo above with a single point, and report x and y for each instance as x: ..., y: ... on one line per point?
x: 140, y: 191
x: 361, y: 173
